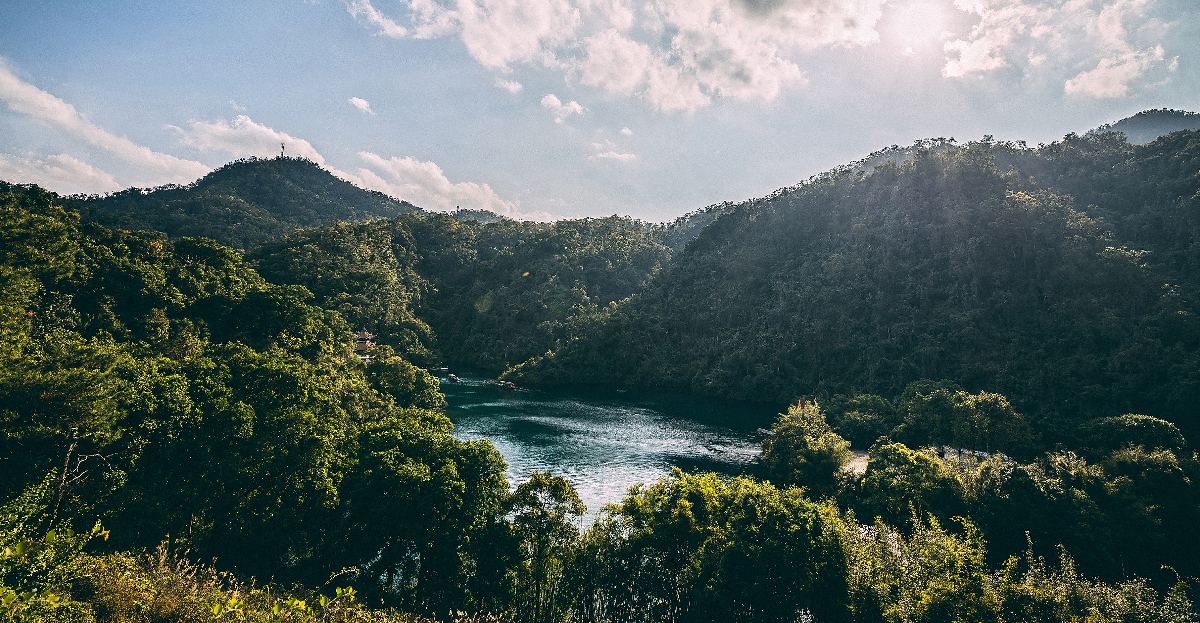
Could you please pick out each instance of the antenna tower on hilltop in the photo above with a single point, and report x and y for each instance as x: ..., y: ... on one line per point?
x: 281, y: 150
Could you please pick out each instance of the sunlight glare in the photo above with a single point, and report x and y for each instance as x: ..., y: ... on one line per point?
x: 917, y: 23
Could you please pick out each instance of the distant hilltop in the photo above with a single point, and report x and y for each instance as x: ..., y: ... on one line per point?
x: 1148, y: 125
x: 244, y: 203
x: 252, y: 201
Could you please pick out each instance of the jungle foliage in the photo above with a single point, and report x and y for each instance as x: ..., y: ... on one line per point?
x: 1121, y: 499
x: 175, y: 395
x: 167, y: 394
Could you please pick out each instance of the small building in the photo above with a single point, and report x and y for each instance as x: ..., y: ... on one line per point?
x: 363, y: 344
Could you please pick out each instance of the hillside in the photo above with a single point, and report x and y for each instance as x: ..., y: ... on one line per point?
x: 176, y: 391
x: 489, y: 294
x: 244, y: 203
x: 1148, y: 125
x: 1037, y: 273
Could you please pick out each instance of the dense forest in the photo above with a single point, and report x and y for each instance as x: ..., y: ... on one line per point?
x: 188, y: 434
x: 1063, y: 276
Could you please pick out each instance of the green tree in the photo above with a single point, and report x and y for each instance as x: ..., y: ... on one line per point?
x: 409, y: 385
x: 902, y: 485
x: 803, y: 450
x: 983, y: 422
x: 545, y: 511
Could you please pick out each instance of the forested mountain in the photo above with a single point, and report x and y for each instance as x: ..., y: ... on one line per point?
x: 1148, y: 125
x: 244, y: 203
x: 495, y: 293
x: 1063, y: 276
x: 171, y: 392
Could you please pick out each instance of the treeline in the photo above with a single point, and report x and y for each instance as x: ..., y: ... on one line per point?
x: 1063, y: 276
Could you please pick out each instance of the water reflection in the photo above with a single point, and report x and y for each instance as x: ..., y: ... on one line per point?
x: 606, y: 441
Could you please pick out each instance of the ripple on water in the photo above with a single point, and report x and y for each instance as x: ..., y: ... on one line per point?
x: 606, y: 443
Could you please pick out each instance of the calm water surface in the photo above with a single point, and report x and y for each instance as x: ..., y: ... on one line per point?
x: 606, y: 441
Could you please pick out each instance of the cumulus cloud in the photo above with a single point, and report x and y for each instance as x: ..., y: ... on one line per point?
x: 626, y: 131
x: 424, y: 184
x: 674, y: 54
x: 361, y: 104
x: 60, y: 173
x: 27, y: 99
x: 987, y: 46
x: 561, y: 111
x: 243, y: 137
x: 497, y: 33
x: 509, y: 85
x: 680, y: 55
x: 1112, y: 76
x: 1092, y: 34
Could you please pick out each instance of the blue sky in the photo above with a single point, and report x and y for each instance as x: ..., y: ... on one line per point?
x: 564, y: 108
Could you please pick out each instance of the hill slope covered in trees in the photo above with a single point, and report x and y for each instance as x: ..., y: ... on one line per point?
x: 182, y: 393
x: 1148, y: 125
x: 243, y: 203
x: 1064, y: 276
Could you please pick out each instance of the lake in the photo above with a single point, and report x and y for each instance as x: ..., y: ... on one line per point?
x: 605, y: 441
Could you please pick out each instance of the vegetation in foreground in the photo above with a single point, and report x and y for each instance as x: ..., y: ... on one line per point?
x: 165, y: 403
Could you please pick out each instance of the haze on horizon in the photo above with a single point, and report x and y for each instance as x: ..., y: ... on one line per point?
x: 564, y: 108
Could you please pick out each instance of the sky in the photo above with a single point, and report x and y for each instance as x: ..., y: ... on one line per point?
x: 546, y: 109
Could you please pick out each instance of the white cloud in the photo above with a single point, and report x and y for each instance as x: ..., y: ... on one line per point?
x: 27, y: 99
x: 615, y: 62
x: 561, y: 111
x: 680, y: 55
x: 243, y: 137
x: 721, y: 48
x: 363, y: 9
x: 509, y: 85
x: 613, y: 155
x: 1112, y: 76
x: 1000, y: 23
x: 1087, y: 39
x: 674, y: 54
x: 626, y: 131
x: 362, y: 105
x: 60, y: 173
x: 499, y: 33
x: 424, y: 184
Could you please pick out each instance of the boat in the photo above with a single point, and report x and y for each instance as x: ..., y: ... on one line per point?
x: 506, y: 385
x: 452, y: 378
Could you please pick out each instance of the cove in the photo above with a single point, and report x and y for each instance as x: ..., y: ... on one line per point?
x: 604, y: 441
